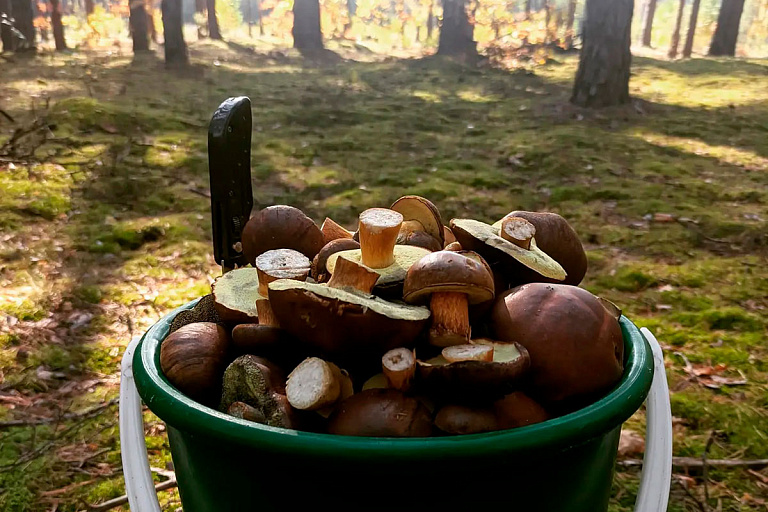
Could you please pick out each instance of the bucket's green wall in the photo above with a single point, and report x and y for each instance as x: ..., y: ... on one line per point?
x: 225, y: 464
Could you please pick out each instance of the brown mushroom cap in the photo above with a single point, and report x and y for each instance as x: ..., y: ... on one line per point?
x: 485, y: 240
x: 576, y: 344
x: 281, y: 227
x: 405, y: 256
x: 319, y: 271
x: 423, y: 210
x: 381, y: 413
x: 350, y: 325
x: 556, y: 237
x: 448, y: 271
x: 460, y: 419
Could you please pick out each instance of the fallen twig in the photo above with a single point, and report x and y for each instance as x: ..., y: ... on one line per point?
x: 122, y: 500
x: 693, y: 462
x: 69, y: 416
x: 7, y: 115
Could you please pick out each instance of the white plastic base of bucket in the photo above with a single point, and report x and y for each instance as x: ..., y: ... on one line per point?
x: 652, y: 495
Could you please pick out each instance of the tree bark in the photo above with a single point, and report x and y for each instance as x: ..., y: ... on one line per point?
x: 431, y: 19
x: 24, y: 21
x: 88, y: 7
x: 307, y: 34
x: 6, y: 35
x: 58, y: 28
x: 676, y: 34
x: 175, y: 47
x: 603, y: 75
x: 527, y: 9
x: 138, y: 23
x: 688, y: 48
x: 213, y: 22
x: 727, y: 31
x: 569, y: 24
x: 456, y: 32
x: 200, y: 6
x: 649, y: 12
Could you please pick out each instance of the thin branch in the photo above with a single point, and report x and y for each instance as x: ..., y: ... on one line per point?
x: 7, y: 115
x: 693, y: 462
x: 122, y: 500
x: 69, y: 416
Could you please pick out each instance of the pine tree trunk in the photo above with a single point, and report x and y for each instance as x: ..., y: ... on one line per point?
x: 307, y: 34
x: 676, y: 34
x: 175, y: 47
x: 569, y: 24
x: 431, y: 20
x: 88, y: 7
x: 58, y: 28
x: 603, y: 75
x: 6, y: 36
x: 22, y: 13
x: 213, y: 22
x: 649, y: 12
x: 527, y: 9
x: 456, y: 33
x: 138, y: 23
x: 727, y: 31
x: 688, y: 48
x: 547, y: 21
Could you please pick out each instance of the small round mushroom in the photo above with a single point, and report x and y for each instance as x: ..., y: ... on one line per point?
x: 281, y: 227
x: 510, y: 257
x: 451, y: 281
x: 381, y: 413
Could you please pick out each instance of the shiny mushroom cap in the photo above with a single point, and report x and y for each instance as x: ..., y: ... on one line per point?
x: 447, y: 271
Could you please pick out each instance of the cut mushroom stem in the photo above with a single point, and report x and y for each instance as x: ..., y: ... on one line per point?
x: 313, y: 385
x: 246, y: 412
x: 450, y: 319
x: 468, y: 352
x: 281, y: 264
x: 266, y: 315
x: 378, y: 230
x: 399, y: 367
x: 333, y: 231
x: 350, y: 274
x: 518, y: 231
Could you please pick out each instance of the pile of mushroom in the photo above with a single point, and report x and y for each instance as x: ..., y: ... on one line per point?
x: 402, y: 326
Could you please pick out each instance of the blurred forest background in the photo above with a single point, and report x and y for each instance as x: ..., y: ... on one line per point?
x: 482, y: 106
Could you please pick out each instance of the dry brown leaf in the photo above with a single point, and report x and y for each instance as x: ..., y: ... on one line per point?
x: 631, y: 443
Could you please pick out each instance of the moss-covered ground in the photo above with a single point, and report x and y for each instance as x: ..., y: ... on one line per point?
x: 105, y: 225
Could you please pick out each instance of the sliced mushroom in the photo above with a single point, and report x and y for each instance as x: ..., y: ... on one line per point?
x: 277, y: 264
x: 423, y: 211
x: 504, y: 254
x: 333, y: 231
x: 235, y: 295
x: 399, y: 367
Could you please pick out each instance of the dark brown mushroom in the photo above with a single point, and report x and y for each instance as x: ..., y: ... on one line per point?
x: 518, y: 410
x: 319, y: 272
x: 423, y: 216
x: 381, y: 413
x: 281, y: 227
x: 456, y: 419
x: 450, y: 281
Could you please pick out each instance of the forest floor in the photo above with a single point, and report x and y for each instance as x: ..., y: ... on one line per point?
x: 104, y: 225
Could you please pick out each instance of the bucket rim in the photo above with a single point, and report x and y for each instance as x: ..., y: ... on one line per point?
x: 182, y: 413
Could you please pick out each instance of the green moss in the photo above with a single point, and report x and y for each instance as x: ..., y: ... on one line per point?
x: 627, y: 279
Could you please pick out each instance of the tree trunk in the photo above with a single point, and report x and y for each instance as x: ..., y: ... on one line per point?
x: 213, y: 22
x: 527, y: 9
x: 24, y: 21
x: 688, y: 48
x: 138, y: 24
x: 200, y: 6
x: 88, y: 7
x: 603, y: 75
x: 676, y: 34
x: 307, y: 34
x: 6, y: 35
x: 569, y: 24
x: 261, y: 17
x: 727, y: 31
x: 175, y: 47
x: 431, y: 20
x: 58, y: 28
x: 649, y: 12
x: 547, y: 21
x: 456, y: 32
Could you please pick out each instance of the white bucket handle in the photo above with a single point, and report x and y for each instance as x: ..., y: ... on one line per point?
x: 652, y: 495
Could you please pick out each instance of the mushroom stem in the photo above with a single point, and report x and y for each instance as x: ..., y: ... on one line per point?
x: 350, y: 274
x: 266, y: 315
x: 518, y: 231
x: 333, y: 231
x: 314, y: 384
x: 450, y: 319
x: 246, y: 412
x: 399, y: 366
x: 378, y: 231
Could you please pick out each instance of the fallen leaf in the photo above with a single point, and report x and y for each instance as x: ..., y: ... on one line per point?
x: 631, y: 443
x: 686, y: 481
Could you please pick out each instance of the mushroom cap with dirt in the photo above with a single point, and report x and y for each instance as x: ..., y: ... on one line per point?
x: 503, y: 255
x: 574, y: 340
x: 281, y: 227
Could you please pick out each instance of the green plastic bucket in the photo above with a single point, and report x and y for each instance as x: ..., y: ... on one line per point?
x: 226, y: 464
